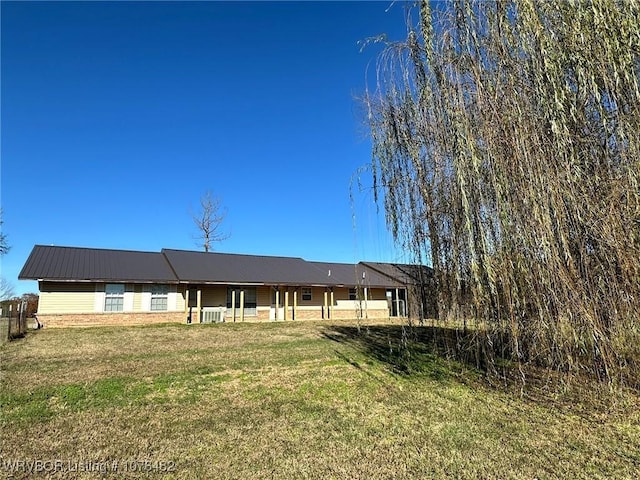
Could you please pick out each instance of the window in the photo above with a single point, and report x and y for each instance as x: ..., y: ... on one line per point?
x: 250, y: 302
x: 353, y: 294
x: 159, y: 296
x: 114, y: 297
x: 306, y: 294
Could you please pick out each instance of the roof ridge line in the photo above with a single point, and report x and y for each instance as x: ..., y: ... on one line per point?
x: 231, y: 253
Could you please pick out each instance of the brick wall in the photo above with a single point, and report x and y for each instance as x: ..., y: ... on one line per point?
x: 307, y: 314
x: 345, y: 314
x: 93, y: 319
x: 144, y: 318
x: 339, y: 314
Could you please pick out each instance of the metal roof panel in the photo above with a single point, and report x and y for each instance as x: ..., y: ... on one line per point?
x: 75, y: 263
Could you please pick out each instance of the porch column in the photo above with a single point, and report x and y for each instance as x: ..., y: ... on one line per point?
x: 295, y: 303
x: 406, y: 303
x: 186, y: 300
x: 325, y: 307
x: 199, y: 305
x: 366, y: 294
x: 397, y: 303
x: 233, y: 304
x: 277, y: 304
x: 241, y: 305
x: 331, y: 305
x: 286, y: 304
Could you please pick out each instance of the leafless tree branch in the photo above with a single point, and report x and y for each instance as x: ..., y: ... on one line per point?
x: 208, y: 221
x: 4, y: 246
x: 6, y: 289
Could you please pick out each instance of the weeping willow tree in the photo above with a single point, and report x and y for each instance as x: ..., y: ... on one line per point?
x: 506, y: 146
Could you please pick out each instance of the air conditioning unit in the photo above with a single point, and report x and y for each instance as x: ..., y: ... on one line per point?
x: 213, y: 314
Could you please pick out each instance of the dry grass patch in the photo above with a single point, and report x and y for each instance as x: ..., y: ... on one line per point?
x: 290, y: 400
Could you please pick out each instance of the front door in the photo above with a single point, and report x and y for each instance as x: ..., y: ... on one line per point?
x: 396, y: 299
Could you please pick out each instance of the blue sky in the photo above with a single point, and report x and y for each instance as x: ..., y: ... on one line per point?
x: 118, y: 116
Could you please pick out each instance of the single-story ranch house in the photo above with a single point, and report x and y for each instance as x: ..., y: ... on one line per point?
x: 89, y: 286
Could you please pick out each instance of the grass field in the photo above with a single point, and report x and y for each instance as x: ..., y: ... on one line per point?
x: 291, y: 401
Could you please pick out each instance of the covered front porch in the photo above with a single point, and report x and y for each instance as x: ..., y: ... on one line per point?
x: 206, y: 303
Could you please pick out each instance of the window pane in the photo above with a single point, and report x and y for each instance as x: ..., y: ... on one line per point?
x: 114, y: 297
x: 114, y: 289
x: 159, y: 289
x: 158, y: 303
x: 113, y: 304
x: 230, y: 296
x: 249, y: 296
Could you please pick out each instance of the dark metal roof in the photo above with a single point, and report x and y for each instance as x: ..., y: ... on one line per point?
x: 73, y: 263
x: 405, y: 274
x: 172, y: 266
x: 349, y: 274
x: 249, y: 269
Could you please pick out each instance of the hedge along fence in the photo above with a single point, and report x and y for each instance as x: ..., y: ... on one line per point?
x: 506, y: 143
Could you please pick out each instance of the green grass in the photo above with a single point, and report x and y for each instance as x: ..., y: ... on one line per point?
x: 293, y: 400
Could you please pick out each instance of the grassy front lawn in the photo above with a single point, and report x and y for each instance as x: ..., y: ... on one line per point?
x: 292, y: 401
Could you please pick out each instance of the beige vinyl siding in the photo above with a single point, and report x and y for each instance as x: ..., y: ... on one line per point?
x: 377, y: 294
x: 340, y: 293
x: 180, y: 307
x: 213, y: 296
x: 66, y: 297
x: 142, y: 298
x: 137, y: 298
x: 172, y: 300
x: 317, y: 296
x: 263, y: 296
x: 128, y: 298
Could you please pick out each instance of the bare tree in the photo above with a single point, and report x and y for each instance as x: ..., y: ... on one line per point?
x: 209, y: 220
x: 4, y: 246
x: 6, y: 289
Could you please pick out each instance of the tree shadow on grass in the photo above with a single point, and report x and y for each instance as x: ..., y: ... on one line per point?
x: 406, y: 350
x: 445, y: 354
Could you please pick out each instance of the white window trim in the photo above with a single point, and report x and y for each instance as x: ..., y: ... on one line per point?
x: 165, y: 296
x: 124, y: 298
x: 145, y: 300
x: 172, y: 301
x: 127, y: 304
x: 98, y: 302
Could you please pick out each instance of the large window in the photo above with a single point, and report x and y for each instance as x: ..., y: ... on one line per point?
x: 306, y: 294
x: 250, y: 300
x: 114, y: 297
x: 159, y: 296
x: 353, y: 294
